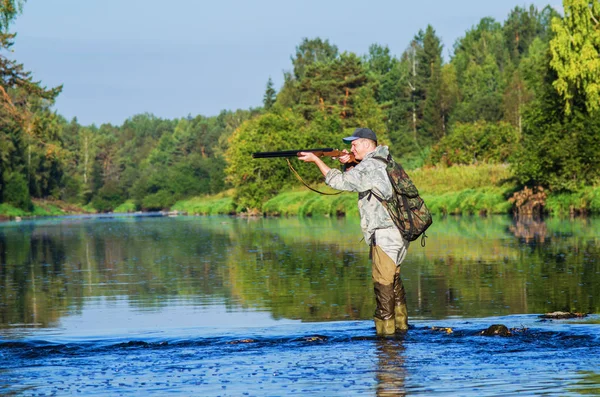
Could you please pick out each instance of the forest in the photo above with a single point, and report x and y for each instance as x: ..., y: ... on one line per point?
x: 522, y: 94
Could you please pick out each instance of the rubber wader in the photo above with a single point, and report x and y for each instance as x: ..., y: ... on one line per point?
x: 384, y: 282
x: 400, y: 310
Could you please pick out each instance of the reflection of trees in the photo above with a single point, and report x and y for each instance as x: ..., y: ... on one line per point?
x: 312, y: 270
x: 29, y: 257
x: 390, y: 373
x: 587, y: 384
x: 48, y: 269
x: 529, y: 229
x: 489, y: 272
x: 311, y: 281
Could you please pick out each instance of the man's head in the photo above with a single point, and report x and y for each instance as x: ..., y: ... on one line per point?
x: 363, y: 140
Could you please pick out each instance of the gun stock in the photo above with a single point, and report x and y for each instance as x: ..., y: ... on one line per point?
x: 329, y: 152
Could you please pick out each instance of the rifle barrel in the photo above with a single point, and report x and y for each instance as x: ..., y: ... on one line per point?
x: 288, y: 153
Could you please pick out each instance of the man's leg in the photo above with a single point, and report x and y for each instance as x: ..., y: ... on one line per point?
x: 383, y: 271
x: 391, y: 242
x: 400, y: 310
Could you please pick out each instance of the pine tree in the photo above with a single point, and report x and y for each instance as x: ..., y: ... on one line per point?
x: 310, y: 52
x: 24, y: 103
x: 432, y: 123
x: 270, y: 95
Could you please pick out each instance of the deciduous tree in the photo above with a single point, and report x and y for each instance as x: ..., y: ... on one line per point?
x: 576, y: 53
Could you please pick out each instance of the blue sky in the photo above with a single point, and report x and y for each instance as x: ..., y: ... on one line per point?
x: 118, y: 58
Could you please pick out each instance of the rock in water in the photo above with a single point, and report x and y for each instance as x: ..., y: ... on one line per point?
x: 562, y: 315
x: 496, y: 329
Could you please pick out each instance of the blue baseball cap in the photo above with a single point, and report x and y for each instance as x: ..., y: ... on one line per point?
x: 361, y: 133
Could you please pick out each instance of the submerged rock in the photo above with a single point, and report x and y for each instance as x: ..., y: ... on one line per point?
x: 235, y: 342
x: 442, y: 329
x: 314, y: 338
x: 496, y: 329
x: 563, y: 315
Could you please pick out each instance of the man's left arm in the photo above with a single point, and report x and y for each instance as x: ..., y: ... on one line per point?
x: 310, y: 157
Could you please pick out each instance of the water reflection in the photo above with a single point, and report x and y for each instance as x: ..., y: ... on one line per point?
x: 529, y: 229
x: 588, y: 384
x: 391, y: 372
x: 298, y: 269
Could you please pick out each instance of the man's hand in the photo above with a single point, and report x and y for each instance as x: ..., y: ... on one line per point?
x: 308, y: 157
x: 346, y: 158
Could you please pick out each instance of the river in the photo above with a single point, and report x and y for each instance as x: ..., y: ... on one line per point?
x: 222, y: 306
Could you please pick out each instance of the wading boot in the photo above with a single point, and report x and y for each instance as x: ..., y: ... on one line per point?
x: 400, y: 310
x: 384, y: 310
x: 401, y: 318
x: 384, y: 327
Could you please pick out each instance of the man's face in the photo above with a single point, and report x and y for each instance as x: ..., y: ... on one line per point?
x: 360, y: 148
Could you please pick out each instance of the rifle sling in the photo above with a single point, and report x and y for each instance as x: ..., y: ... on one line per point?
x: 305, y: 184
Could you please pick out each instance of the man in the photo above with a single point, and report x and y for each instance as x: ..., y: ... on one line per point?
x: 388, y: 249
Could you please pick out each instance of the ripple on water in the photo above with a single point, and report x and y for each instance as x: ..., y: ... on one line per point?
x: 342, y: 358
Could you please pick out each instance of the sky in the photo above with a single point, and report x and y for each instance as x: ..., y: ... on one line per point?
x: 119, y: 58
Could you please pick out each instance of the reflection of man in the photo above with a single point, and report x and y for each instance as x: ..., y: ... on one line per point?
x: 388, y: 248
x: 391, y: 373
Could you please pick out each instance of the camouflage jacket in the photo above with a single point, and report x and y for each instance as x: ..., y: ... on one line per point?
x: 369, y: 174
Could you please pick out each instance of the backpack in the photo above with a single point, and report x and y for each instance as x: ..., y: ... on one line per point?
x: 406, y: 208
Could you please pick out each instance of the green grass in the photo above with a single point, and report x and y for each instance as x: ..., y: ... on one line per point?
x: 585, y: 201
x: 481, y: 189
x: 41, y: 208
x: 457, y: 190
x: 286, y: 203
x: 308, y: 203
x: 465, y: 190
x: 440, y: 180
x: 47, y: 210
x: 488, y: 200
x: 220, y: 204
x: 11, y: 212
x: 128, y: 206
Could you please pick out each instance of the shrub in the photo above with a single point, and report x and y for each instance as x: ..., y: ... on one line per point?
x: 16, y: 192
x: 128, y: 206
x: 473, y: 143
x: 162, y: 199
x: 107, y: 198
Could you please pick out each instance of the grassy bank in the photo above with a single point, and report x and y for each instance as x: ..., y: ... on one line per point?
x: 42, y: 208
x: 455, y: 190
x: 459, y: 190
x: 220, y: 204
x: 585, y: 201
x: 482, y: 189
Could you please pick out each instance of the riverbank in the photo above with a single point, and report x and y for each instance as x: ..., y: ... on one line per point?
x: 43, y: 208
x: 459, y: 190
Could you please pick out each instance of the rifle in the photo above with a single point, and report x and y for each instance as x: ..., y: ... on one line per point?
x: 328, y: 152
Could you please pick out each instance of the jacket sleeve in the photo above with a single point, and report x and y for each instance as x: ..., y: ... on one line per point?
x: 368, y: 175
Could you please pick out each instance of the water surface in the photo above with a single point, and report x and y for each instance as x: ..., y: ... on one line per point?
x: 228, y: 306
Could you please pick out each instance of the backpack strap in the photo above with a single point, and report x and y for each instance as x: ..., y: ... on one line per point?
x: 385, y: 161
x: 371, y: 193
x: 403, y: 198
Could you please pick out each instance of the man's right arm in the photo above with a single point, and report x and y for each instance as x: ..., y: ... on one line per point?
x: 367, y: 175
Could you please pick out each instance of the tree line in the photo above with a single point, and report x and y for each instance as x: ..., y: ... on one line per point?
x: 525, y: 92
